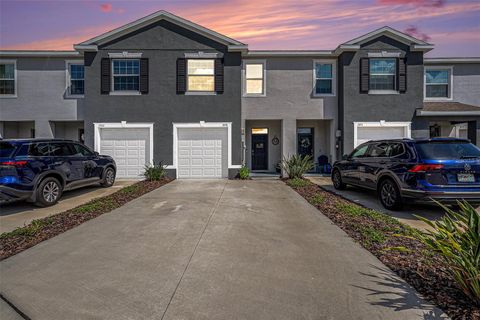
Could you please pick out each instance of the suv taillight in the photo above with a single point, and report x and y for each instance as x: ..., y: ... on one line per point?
x: 426, y: 167
x: 19, y: 163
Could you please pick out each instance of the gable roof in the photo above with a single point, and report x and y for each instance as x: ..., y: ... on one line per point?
x: 414, y: 43
x: 93, y: 43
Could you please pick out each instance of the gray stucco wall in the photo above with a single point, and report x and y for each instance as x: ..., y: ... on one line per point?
x: 41, y: 85
x: 356, y: 107
x: 163, y: 43
x: 466, y: 83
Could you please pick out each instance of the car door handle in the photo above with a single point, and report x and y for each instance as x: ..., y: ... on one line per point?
x: 382, y: 162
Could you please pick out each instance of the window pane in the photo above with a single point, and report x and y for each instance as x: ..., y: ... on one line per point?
x: 254, y: 86
x: 7, y: 86
x: 77, y: 87
x: 127, y: 83
x: 437, y: 91
x: 123, y: 67
x: 360, y: 152
x: 201, y: 83
x: 81, y: 150
x: 60, y: 149
x: 382, y: 66
x: 76, y: 71
x: 323, y: 86
x: 382, y: 82
x: 200, y: 67
x: 437, y: 76
x: 38, y: 149
x: 259, y: 130
x: 323, y: 70
x: 7, y: 71
x: 254, y: 71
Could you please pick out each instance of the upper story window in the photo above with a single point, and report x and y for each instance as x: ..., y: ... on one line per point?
x: 75, y: 79
x: 324, y: 78
x: 126, y: 75
x: 255, y: 78
x: 438, y: 83
x: 201, y: 75
x: 383, y: 74
x: 8, y: 79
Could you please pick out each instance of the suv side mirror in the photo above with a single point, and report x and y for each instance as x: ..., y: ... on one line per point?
x: 96, y: 153
x: 345, y: 157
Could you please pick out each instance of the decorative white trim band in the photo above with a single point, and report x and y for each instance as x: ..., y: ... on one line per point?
x: 202, y: 54
x: 125, y: 54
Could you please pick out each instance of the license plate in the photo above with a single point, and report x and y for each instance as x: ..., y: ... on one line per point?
x: 466, y: 177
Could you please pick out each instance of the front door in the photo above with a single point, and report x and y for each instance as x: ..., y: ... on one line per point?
x: 259, y: 149
x: 305, y: 141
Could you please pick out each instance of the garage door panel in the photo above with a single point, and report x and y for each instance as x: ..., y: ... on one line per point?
x: 129, y: 147
x: 207, y: 153
x: 365, y: 134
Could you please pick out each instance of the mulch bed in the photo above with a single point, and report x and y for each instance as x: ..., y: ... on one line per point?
x: 40, y: 230
x: 397, y: 247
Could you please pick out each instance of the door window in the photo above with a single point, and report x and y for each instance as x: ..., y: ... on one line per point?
x: 59, y: 149
x: 379, y: 150
x: 360, y: 151
x: 305, y: 141
x: 81, y: 150
x: 40, y: 149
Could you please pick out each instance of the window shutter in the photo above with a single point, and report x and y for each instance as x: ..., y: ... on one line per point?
x: 402, y: 75
x: 219, y: 76
x: 364, y: 75
x: 144, y: 75
x: 105, y: 79
x: 181, y: 75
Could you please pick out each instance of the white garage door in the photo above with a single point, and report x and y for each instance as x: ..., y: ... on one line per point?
x: 202, y: 153
x: 368, y: 133
x: 129, y: 148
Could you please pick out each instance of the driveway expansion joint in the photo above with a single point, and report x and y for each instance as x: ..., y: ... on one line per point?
x: 15, y: 308
x: 214, y: 209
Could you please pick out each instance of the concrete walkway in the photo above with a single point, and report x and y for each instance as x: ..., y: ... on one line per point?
x: 18, y: 214
x: 208, y: 250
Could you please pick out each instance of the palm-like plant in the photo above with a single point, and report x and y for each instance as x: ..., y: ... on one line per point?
x: 296, y: 165
x: 456, y: 237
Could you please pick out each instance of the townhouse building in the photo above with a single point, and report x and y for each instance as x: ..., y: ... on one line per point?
x: 163, y: 88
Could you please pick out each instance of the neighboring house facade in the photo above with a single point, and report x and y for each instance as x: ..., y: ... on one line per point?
x: 165, y: 89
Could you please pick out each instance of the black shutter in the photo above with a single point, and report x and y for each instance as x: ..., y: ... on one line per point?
x: 144, y: 75
x: 105, y: 76
x: 402, y: 75
x: 219, y: 76
x: 364, y: 74
x: 181, y: 75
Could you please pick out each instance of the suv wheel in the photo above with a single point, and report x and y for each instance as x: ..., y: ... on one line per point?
x: 337, y: 180
x: 389, y: 195
x: 108, y: 178
x: 48, y: 192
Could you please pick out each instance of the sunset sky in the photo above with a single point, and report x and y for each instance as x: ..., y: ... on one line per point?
x: 452, y: 25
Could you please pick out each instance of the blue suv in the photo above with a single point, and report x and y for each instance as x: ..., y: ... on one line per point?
x: 39, y: 170
x: 444, y: 169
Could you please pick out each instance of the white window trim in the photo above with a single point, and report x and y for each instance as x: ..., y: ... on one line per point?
x: 395, y: 76
x: 123, y: 92
x: 450, y: 83
x: 407, y: 125
x: 202, y: 124
x: 334, y: 77
x: 200, y: 93
x: 68, y: 63
x: 263, y: 62
x: 119, y: 125
x: 11, y: 96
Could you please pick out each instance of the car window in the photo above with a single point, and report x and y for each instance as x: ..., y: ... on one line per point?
x: 39, y: 149
x: 81, y: 150
x: 60, y: 149
x: 378, y: 150
x: 6, y: 149
x: 447, y: 150
x: 360, y: 151
x: 396, y: 149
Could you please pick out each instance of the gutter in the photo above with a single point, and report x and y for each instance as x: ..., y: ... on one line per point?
x: 447, y: 113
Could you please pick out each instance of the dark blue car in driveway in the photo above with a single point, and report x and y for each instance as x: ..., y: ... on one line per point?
x: 39, y: 170
x: 442, y: 169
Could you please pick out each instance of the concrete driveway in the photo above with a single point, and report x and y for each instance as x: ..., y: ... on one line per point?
x: 14, y: 215
x: 208, y: 250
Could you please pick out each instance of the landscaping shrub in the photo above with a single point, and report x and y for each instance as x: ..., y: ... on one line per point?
x: 297, y: 183
x: 456, y: 237
x: 155, y: 172
x: 296, y: 165
x: 244, y: 173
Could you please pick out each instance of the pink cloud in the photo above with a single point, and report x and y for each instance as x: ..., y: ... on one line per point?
x: 416, y: 3
x: 106, y: 7
x: 415, y: 32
